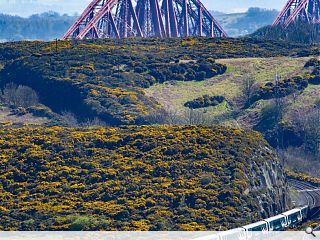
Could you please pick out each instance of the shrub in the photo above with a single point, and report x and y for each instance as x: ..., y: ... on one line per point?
x: 41, y: 111
x: 280, y: 89
x: 206, y: 179
x: 313, y: 62
x: 200, y: 76
x: 81, y: 224
x: 204, y: 101
x: 314, y: 80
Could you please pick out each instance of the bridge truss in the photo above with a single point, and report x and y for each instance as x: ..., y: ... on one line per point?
x: 307, y: 11
x: 144, y: 18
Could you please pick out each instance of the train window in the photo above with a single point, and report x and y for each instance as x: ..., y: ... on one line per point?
x: 277, y: 225
x: 294, y: 218
x: 262, y: 227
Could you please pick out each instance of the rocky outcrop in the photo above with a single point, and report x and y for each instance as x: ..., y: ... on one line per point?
x: 269, y: 186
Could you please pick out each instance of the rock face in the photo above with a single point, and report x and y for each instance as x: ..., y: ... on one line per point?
x: 268, y: 183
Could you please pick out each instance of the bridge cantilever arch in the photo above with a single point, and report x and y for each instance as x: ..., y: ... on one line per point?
x: 307, y: 11
x: 144, y: 18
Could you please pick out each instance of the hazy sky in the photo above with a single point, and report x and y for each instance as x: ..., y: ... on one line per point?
x: 28, y: 7
x: 242, y: 5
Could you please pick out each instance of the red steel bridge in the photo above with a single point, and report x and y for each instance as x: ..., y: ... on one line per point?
x: 307, y: 11
x: 144, y: 18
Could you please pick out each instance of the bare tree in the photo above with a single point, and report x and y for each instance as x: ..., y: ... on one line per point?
x: 96, y: 122
x: 186, y: 117
x: 280, y: 109
x: 69, y: 119
x: 312, y: 133
x: 8, y: 94
x: 26, y: 97
x: 247, y: 89
x: 167, y: 116
x: 196, y: 117
x: 298, y: 160
x: 19, y: 96
x: 307, y: 121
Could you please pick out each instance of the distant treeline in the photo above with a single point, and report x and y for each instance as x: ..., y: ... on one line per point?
x: 45, y: 26
x: 239, y: 24
x: 298, y: 32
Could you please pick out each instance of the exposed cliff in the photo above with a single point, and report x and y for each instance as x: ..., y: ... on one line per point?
x: 271, y: 188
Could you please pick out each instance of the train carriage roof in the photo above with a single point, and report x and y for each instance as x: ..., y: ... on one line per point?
x: 274, y: 218
x: 296, y: 210
x: 255, y: 224
x: 304, y: 207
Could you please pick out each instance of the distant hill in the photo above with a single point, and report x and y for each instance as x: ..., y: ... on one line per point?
x: 217, y: 13
x: 45, y: 26
x: 239, y: 24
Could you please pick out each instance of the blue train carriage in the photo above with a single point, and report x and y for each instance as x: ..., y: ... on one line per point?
x: 256, y: 230
x: 277, y: 223
x: 293, y: 217
x: 257, y: 227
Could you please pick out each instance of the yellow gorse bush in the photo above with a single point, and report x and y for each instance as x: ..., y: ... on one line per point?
x: 130, y: 178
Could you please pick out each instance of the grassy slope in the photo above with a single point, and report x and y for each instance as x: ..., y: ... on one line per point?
x: 229, y: 85
x: 7, y: 116
x: 83, y: 77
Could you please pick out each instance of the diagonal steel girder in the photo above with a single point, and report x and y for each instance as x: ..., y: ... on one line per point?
x: 146, y: 18
x: 302, y: 10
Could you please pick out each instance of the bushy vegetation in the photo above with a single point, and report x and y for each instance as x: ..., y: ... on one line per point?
x: 303, y: 177
x: 295, y: 32
x: 204, y: 101
x: 131, y: 178
x: 105, y: 78
x: 313, y: 62
x: 290, y: 126
x: 94, y: 87
x: 282, y: 88
x: 314, y: 77
x: 188, y: 71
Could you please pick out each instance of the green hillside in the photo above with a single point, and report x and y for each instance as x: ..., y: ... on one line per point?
x: 106, y: 79
x: 229, y: 85
x: 136, y: 178
x: 286, y: 112
x: 175, y: 147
